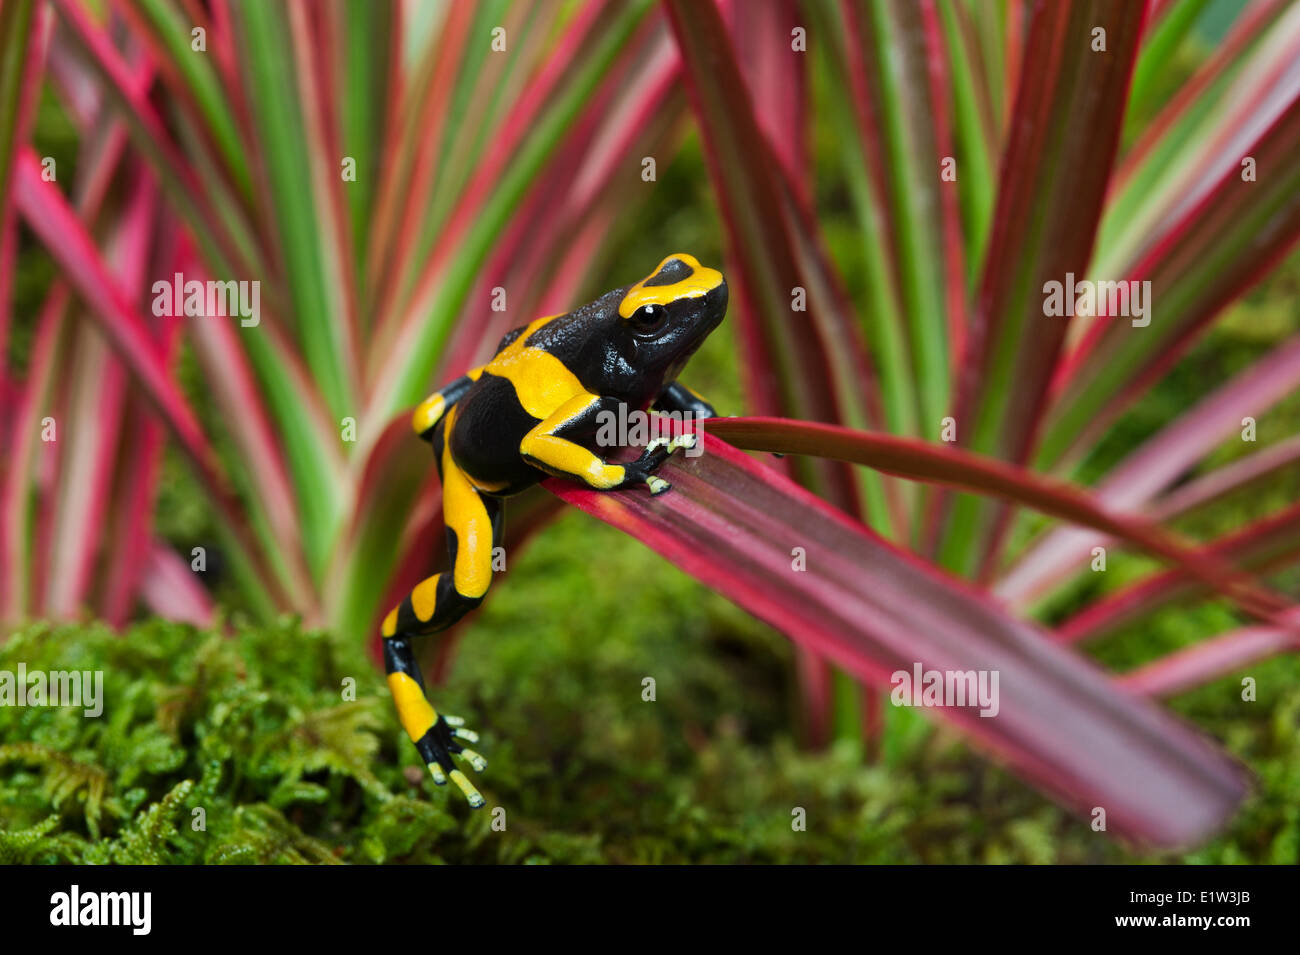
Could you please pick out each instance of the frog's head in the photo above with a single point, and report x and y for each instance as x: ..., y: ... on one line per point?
x: 669, y: 313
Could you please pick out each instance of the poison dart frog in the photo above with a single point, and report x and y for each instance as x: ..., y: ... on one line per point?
x: 533, y: 411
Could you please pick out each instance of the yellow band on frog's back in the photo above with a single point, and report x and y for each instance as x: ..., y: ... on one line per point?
x: 700, y: 281
x: 541, y: 381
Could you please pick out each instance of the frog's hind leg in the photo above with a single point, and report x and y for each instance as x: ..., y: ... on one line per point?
x: 438, y: 737
x: 473, y: 529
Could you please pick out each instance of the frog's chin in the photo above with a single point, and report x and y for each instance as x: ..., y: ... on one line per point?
x: 675, y: 369
x: 679, y: 363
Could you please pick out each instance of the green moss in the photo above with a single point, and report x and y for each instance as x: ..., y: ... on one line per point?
x: 254, y: 729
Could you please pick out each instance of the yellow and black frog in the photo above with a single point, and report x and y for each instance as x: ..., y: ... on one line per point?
x: 532, y: 411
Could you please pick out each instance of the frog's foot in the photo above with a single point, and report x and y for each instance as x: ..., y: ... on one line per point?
x: 659, y: 450
x: 440, y: 744
x: 686, y: 441
x: 437, y: 738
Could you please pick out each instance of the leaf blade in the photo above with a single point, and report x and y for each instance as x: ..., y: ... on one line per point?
x: 874, y: 611
x: 1064, y: 137
x: 955, y: 468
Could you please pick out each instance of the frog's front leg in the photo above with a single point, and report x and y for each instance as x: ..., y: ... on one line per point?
x: 676, y: 398
x: 431, y: 410
x: 549, y: 446
x: 473, y: 528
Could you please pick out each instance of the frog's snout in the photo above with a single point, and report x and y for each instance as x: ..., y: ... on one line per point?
x: 717, y: 299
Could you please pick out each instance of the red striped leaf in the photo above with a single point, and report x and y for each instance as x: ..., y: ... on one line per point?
x: 1064, y: 134
x: 1154, y: 467
x: 58, y: 226
x: 875, y: 610
x: 952, y: 467
x: 1208, y: 660
x: 1271, y: 542
x: 1215, y: 252
x: 793, y: 365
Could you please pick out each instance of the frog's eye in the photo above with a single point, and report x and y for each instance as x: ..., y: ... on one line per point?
x: 648, y: 320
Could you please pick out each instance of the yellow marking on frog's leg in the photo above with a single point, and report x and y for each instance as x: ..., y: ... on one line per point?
x: 544, y: 448
x: 434, y: 604
x: 466, y: 514
x: 415, y: 712
x: 424, y: 598
x: 430, y: 411
x: 437, y: 602
x: 700, y: 281
x: 432, y: 734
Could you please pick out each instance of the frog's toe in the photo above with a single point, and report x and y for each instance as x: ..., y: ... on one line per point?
x: 443, y: 769
x: 657, y: 484
x: 444, y: 743
x: 439, y: 777
x: 641, y: 471
x: 477, y: 762
x: 661, y: 447
x: 475, y: 798
x: 684, y: 441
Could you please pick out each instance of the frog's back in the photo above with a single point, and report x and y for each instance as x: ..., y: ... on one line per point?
x: 486, y: 428
x: 531, y: 377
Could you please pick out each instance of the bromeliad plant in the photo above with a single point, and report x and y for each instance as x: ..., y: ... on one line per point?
x: 387, y: 172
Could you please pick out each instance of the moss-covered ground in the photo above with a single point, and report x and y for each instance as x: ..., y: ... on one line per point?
x: 257, y: 727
